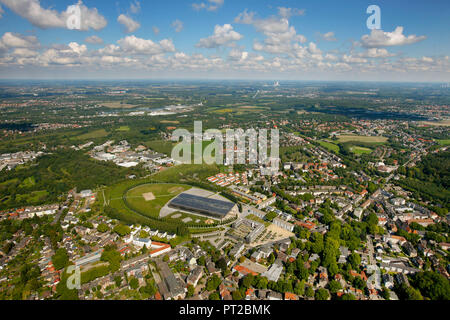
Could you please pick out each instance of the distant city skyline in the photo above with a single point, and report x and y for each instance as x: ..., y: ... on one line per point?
x: 224, y: 39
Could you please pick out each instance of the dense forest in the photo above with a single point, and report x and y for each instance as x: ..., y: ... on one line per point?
x: 55, y: 174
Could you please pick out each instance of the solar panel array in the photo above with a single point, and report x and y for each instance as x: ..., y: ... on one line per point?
x: 204, y: 205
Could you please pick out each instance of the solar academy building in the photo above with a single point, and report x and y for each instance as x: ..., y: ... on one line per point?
x: 211, y: 208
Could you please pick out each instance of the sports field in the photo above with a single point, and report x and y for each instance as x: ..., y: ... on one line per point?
x: 366, y: 139
x: 148, y: 199
x: 360, y: 150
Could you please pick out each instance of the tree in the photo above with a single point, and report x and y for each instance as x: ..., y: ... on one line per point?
x: 213, y: 283
x: 118, y: 280
x: 309, y: 292
x: 134, y: 283
x: 322, y: 294
x: 355, y: 260
x: 236, y: 295
x: 190, y: 291
x: 432, y: 285
x: 348, y: 296
x: 247, y: 280
x: 102, y: 227
x: 122, y: 230
x: 60, y: 259
x: 334, y: 286
x: 214, y: 296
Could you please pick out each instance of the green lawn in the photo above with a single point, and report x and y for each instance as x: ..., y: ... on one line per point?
x: 360, y: 150
x: 330, y: 146
x: 124, y: 129
x: 163, y: 193
x: 444, y: 142
x: 28, y: 182
x: 91, y: 135
x: 32, y: 198
x: 188, y: 171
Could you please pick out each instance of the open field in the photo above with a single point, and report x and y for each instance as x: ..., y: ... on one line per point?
x: 444, y: 142
x: 123, y: 129
x: 118, y: 105
x: 360, y: 150
x: 91, y: 135
x: 330, y: 146
x: 28, y: 182
x: 33, y: 197
x: 366, y: 139
x: 443, y: 123
x: 162, y: 193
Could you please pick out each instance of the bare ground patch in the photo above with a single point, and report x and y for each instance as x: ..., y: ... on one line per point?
x: 149, y: 196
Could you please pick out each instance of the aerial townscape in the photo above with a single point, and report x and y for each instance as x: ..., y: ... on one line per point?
x: 96, y: 205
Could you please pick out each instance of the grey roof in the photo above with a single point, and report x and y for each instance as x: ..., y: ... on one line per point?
x: 202, y: 204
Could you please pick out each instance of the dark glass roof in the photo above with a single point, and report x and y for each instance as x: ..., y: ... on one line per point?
x: 202, y: 204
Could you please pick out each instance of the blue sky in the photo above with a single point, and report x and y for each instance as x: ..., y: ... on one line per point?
x: 253, y: 39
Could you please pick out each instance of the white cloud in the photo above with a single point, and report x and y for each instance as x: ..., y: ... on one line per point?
x: 49, y: 18
x: 329, y: 36
x: 376, y: 53
x: 129, y: 24
x: 1, y: 12
x: 280, y: 36
x: 131, y: 44
x: 135, y: 7
x: 94, y: 40
x: 211, y: 5
x: 223, y: 36
x: 177, y: 25
x: 290, y: 12
x: 379, y: 38
x: 15, y: 40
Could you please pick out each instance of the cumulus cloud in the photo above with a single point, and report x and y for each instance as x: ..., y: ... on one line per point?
x: 329, y: 36
x: 376, y: 53
x: 129, y: 24
x: 280, y: 35
x: 132, y: 44
x: 177, y: 25
x: 15, y: 40
x: 49, y: 18
x: 210, y: 5
x: 94, y: 40
x: 379, y: 38
x: 223, y: 36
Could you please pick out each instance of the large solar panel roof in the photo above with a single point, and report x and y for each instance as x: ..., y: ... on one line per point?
x: 198, y: 203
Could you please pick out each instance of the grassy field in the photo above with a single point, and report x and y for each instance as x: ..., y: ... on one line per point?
x: 366, y: 139
x: 187, y: 171
x: 33, y: 197
x: 28, y: 182
x: 100, y: 133
x: 123, y: 129
x: 444, y: 142
x: 161, y: 146
x: 257, y: 219
x: 360, y: 150
x: 163, y: 193
x: 118, y: 105
x: 330, y: 146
